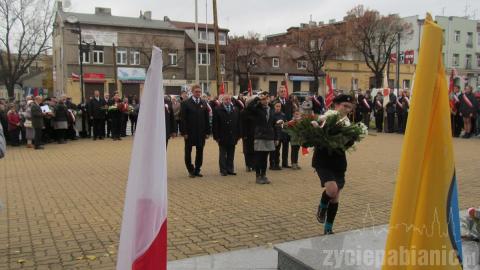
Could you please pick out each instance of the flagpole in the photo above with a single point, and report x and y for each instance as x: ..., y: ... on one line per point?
x: 217, y: 46
x: 206, y: 43
x: 197, y: 71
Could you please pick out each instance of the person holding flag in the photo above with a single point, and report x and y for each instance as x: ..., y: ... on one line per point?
x: 330, y: 94
x: 426, y: 194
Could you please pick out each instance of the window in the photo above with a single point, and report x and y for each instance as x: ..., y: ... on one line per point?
x: 406, y: 84
x: 222, y: 60
x: 469, y: 40
x: 275, y: 62
x: 478, y: 39
x: 339, y: 65
x: 468, y: 61
x: 443, y: 36
x: 354, y: 84
x: 85, y: 57
x: 478, y: 60
x: 356, y: 66
x: 312, y: 44
x: 204, y: 59
x: 456, y: 60
x: 302, y: 64
x: 457, y: 36
x: 334, y: 83
x: 134, y: 58
x: 202, y: 35
x: 172, y: 59
x: 204, y: 87
x: 97, y: 57
x: 253, y: 62
x: 222, y: 37
x: 122, y: 56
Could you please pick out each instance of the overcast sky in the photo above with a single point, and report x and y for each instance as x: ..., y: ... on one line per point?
x: 274, y: 16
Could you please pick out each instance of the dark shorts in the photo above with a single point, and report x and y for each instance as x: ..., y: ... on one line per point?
x: 327, y: 175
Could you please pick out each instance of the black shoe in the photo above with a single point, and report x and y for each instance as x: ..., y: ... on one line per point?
x: 276, y: 168
x: 327, y: 232
x: 223, y: 174
x: 101, y: 138
x: 321, y: 216
x: 231, y: 173
x: 286, y: 166
x: 259, y: 180
x: 198, y: 174
x: 265, y: 179
x: 39, y: 147
x: 94, y: 138
x: 191, y: 175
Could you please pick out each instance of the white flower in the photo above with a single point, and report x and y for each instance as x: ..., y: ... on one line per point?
x: 330, y: 112
x: 315, y: 124
x: 364, y: 128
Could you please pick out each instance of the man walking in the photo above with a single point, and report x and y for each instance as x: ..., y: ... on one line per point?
x: 97, y: 110
x: 195, y: 128
x: 287, y: 109
x: 226, y: 132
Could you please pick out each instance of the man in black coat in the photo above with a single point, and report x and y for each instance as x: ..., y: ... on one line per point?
x: 287, y: 109
x: 195, y: 129
x: 365, y: 106
x: 170, y: 124
x: 97, y: 110
x: 226, y: 132
x: 247, y: 121
x: 318, y: 104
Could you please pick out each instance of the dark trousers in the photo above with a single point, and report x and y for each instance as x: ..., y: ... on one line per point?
x: 274, y: 156
x: 60, y: 134
x: 225, y: 158
x: 400, y: 122
x: 98, y: 128
x: 457, y: 124
x: 38, y: 137
x: 391, y: 122
x: 248, y: 153
x: 379, y: 121
x: 133, y: 124
x: 198, y: 158
x: 261, y: 162
x: 14, y: 136
x: 366, y: 119
x: 123, y: 127
x: 405, y: 119
x: 294, y: 156
x: 109, y: 127
x: 116, y: 122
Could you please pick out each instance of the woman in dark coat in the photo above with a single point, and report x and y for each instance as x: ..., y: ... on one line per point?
x: 248, y: 133
x: 60, y: 121
x: 264, y: 137
x: 468, y: 108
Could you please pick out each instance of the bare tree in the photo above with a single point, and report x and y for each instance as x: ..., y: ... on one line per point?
x: 320, y: 43
x: 375, y: 36
x: 25, y: 32
x: 241, y: 56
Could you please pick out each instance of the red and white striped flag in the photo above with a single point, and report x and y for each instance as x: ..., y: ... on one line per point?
x: 285, y: 82
x: 330, y: 96
x: 143, y: 239
x: 75, y: 76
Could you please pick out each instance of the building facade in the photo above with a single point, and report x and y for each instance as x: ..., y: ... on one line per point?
x: 116, y: 53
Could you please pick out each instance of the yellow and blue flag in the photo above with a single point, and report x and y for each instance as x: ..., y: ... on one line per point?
x: 424, y: 230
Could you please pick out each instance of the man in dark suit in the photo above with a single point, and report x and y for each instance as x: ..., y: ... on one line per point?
x: 318, y: 104
x: 287, y: 109
x: 195, y: 128
x: 226, y: 132
x: 365, y: 106
x: 170, y: 124
x: 37, y: 121
x: 97, y: 110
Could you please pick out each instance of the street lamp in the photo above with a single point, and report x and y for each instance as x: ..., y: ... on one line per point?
x: 82, y: 47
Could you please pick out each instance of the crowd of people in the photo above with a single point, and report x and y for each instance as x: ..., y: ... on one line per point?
x: 37, y: 121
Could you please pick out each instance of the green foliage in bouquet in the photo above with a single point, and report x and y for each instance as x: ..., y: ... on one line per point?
x: 334, y: 135
x: 112, y: 108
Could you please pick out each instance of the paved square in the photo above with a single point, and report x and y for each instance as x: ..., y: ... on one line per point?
x: 63, y: 205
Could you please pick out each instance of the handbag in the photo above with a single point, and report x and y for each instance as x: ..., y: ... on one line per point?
x: 27, y: 124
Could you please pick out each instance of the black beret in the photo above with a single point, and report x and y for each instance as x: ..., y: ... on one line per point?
x: 343, y: 98
x: 245, y: 93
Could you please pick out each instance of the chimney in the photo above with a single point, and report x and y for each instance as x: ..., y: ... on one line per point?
x: 166, y: 19
x: 103, y: 11
x: 59, y: 6
x: 147, y: 15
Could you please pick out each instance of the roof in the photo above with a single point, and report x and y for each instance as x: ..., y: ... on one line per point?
x: 191, y: 25
x: 110, y: 20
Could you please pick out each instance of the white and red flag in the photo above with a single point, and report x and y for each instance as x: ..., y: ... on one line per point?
x: 143, y: 238
x: 330, y: 95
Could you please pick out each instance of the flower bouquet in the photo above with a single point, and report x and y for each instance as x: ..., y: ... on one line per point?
x: 112, y: 108
x: 329, y: 131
